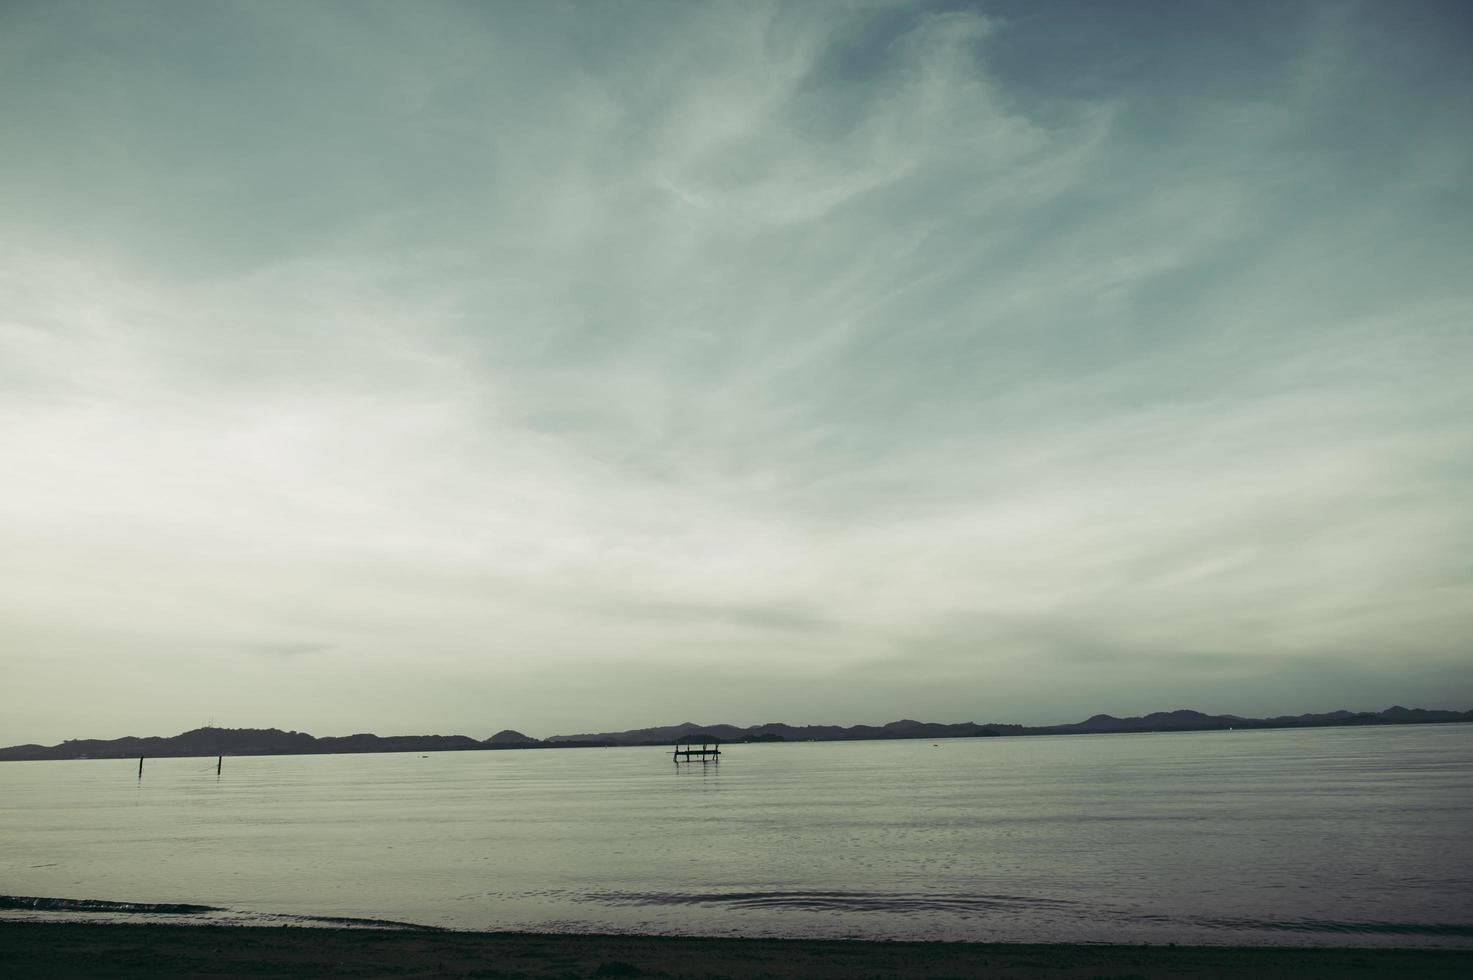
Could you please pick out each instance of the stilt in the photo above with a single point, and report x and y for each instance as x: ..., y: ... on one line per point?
x: 706, y: 753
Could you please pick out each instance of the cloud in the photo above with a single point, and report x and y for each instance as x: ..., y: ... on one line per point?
x: 479, y: 349
x: 290, y: 649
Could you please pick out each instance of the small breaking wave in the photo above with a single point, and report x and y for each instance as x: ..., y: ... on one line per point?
x: 1000, y: 908
x: 98, y: 910
x: 37, y: 904
x: 829, y: 901
x: 346, y: 922
x: 1345, y: 928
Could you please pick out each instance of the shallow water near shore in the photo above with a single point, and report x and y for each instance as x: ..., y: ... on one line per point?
x: 1354, y: 837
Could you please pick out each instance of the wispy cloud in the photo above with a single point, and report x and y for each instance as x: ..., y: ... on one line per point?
x: 535, y: 366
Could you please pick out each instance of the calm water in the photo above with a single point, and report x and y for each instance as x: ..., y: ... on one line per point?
x: 1335, y: 836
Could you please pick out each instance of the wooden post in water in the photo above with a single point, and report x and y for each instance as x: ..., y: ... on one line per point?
x: 140, y: 767
x: 218, y: 763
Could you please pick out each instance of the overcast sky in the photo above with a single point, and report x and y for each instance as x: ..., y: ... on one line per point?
x: 447, y: 367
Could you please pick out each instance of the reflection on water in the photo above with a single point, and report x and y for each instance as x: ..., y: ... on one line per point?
x: 1341, y: 836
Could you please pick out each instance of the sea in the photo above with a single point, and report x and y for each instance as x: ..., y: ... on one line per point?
x: 1334, y: 836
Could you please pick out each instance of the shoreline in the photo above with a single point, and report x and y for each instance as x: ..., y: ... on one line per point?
x: 75, y: 949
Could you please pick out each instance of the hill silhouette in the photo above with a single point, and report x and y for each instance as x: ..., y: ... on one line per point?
x: 274, y: 741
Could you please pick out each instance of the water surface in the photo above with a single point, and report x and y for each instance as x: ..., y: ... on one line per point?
x: 1349, y: 836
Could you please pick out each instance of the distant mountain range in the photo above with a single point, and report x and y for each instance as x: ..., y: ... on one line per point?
x: 1161, y: 721
x: 273, y: 741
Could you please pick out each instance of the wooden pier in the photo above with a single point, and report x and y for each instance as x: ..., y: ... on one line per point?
x: 702, y: 754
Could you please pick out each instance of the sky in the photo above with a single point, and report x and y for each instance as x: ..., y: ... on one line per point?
x: 452, y: 367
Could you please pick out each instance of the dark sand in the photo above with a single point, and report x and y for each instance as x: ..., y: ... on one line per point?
x: 30, y: 949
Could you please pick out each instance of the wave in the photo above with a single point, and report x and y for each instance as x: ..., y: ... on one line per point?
x: 1045, y: 914
x: 849, y: 901
x: 345, y: 922
x: 1348, y: 928
x: 94, y: 909
x: 903, y: 903
x: 98, y: 905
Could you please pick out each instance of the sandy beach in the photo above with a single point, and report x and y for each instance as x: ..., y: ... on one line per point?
x: 87, y: 950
